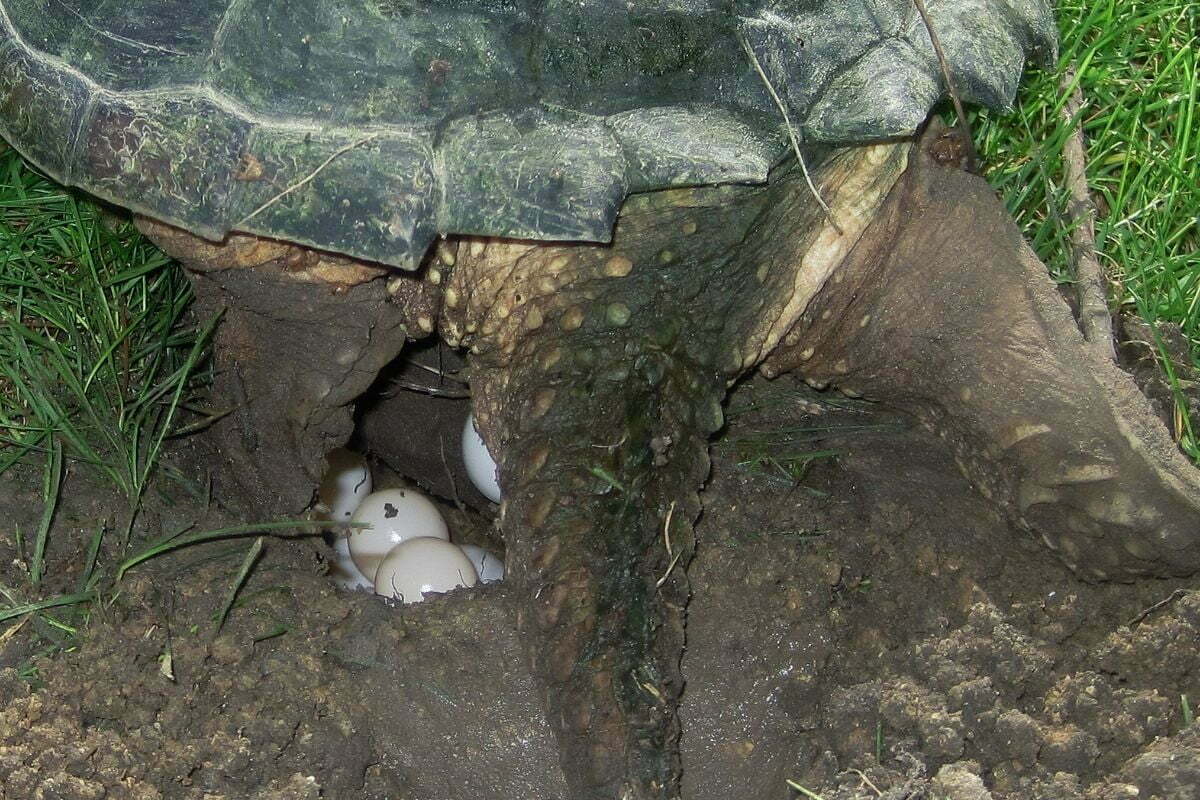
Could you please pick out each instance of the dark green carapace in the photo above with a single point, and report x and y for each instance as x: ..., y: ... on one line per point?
x: 368, y: 127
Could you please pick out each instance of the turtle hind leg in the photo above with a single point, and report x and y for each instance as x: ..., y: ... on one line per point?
x: 942, y: 308
x: 599, y: 539
x: 599, y: 418
x: 597, y: 374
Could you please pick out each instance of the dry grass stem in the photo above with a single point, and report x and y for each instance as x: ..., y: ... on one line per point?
x: 791, y: 130
x: 972, y: 157
x: 307, y: 178
x: 1090, y: 290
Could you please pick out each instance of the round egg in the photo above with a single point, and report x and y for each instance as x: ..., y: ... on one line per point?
x: 420, y: 565
x: 392, y: 516
x: 488, y: 565
x: 345, y: 572
x: 481, y: 468
x: 346, y: 482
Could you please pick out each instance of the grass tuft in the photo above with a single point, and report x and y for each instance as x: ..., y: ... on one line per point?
x: 99, y: 363
x: 785, y: 453
x: 97, y: 354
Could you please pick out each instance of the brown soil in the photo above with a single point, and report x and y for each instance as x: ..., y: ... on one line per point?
x: 873, y: 630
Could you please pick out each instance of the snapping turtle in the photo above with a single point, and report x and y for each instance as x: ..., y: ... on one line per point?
x: 628, y: 236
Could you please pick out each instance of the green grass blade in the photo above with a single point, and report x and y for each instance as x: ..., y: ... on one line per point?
x: 247, y: 565
x: 51, y: 488
x: 89, y: 577
x: 297, y: 528
x: 22, y: 609
x: 189, y: 365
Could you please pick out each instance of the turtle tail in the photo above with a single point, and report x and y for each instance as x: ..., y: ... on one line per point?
x: 943, y: 310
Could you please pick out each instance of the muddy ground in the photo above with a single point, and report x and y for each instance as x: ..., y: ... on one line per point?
x: 871, y: 629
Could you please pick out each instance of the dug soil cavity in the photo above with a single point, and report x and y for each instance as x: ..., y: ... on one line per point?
x: 862, y: 625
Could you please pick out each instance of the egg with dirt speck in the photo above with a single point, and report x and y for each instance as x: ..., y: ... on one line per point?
x: 389, y: 517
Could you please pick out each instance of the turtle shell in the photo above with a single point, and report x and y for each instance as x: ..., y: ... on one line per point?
x: 368, y: 127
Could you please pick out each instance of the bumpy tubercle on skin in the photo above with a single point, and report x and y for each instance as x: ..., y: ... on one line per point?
x: 503, y: 289
x: 503, y: 285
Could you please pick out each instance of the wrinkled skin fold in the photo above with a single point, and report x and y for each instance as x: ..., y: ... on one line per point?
x: 598, y: 374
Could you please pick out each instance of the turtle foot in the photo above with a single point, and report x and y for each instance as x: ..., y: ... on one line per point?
x: 944, y: 310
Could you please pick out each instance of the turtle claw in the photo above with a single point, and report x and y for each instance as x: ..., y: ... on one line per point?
x: 944, y: 310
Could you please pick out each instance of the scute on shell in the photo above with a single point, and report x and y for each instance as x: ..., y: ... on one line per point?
x: 368, y: 127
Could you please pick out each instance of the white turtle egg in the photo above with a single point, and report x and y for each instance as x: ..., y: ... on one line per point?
x: 488, y: 565
x: 481, y: 468
x: 420, y: 565
x: 393, y: 516
x: 345, y: 572
x: 347, y: 481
